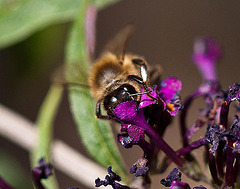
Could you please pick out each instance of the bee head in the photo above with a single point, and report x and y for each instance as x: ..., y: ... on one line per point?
x: 123, y: 93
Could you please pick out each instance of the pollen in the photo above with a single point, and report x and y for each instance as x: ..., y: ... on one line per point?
x: 225, y: 103
x: 170, y: 107
x: 234, y: 145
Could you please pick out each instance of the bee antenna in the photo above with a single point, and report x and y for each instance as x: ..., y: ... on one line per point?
x: 146, y: 92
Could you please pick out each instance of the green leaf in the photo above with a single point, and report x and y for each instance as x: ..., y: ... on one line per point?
x: 103, y: 3
x: 14, y: 173
x: 96, y: 134
x: 21, y: 18
x: 45, y: 125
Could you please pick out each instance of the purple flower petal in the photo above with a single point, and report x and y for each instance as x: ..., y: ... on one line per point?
x: 236, y: 147
x: 126, y: 112
x: 174, y: 175
x: 179, y: 185
x: 205, y: 54
x: 42, y: 171
x: 169, y: 92
x: 146, y: 100
x: 140, y: 167
x: 110, y: 179
x: 209, y: 87
x: 234, y: 93
x: 169, y: 88
x: 125, y: 140
x: 215, y: 134
x: 132, y: 135
x: 199, y: 187
x: 235, y: 128
x: 136, y: 133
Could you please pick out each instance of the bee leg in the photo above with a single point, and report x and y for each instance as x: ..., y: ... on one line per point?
x: 98, y: 111
x: 140, y: 81
x: 143, y: 68
x: 137, y: 106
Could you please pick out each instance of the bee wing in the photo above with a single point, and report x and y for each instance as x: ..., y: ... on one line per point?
x: 78, y: 76
x: 78, y: 73
x: 117, y: 45
x: 155, y: 74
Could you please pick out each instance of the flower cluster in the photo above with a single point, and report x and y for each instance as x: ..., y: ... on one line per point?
x: 134, y: 125
x: 222, y: 145
x: 143, y: 124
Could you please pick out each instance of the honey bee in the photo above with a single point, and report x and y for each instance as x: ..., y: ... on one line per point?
x: 117, y: 77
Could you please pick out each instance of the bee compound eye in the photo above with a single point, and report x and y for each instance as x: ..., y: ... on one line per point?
x: 128, y: 88
x: 110, y: 102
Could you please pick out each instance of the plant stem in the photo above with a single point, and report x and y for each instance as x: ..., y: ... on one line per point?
x: 213, y: 168
x: 183, y: 116
x: 157, y: 140
x: 224, y: 113
x: 192, y: 147
x: 229, y: 177
x: 187, y: 149
x: 45, y: 126
x: 45, y: 121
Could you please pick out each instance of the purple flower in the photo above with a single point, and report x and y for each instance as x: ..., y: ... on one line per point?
x: 140, y: 167
x: 42, y: 171
x: 125, y: 140
x: 235, y: 128
x: 216, y: 133
x: 179, y: 185
x: 130, y: 135
x: 205, y: 54
x: 146, y: 100
x: 135, y: 132
x: 169, y: 88
x: 168, y: 95
x: 199, y: 187
x: 174, y: 175
x: 126, y: 113
x: 234, y: 93
x: 110, y: 179
x: 209, y: 88
x: 169, y: 92
x: 173, y: 180
x: 236, y: 147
